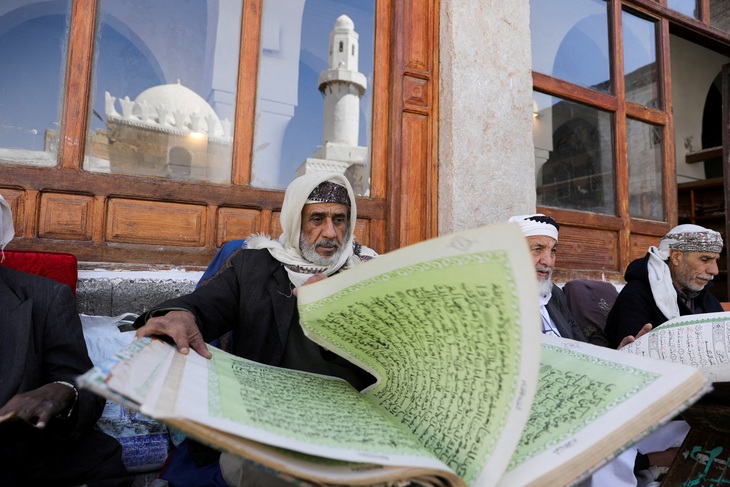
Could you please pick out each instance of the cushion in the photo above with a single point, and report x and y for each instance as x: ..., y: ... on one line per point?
x: 589, y: 302
x: 59, y: 266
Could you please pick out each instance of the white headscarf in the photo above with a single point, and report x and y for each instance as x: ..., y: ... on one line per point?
x: 686, y: 238
x: 7, y: 230
x: 286, y: 249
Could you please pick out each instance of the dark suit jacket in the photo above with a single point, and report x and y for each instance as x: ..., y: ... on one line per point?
x: 41, y: 341
x: 558, y: 310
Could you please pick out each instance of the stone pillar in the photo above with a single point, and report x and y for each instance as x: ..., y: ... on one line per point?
x: 486, y: 154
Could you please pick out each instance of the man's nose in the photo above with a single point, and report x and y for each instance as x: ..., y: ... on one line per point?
x: 712, y: 269
x: 328, y: 229
x: 547, y: 258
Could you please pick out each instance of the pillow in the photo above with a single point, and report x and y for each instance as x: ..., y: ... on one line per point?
x: 59, y: 266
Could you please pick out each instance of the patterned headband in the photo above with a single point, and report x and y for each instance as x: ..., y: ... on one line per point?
x: 709, y: 241
x: 329, y: 192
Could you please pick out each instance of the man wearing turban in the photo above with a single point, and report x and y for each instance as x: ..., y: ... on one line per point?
x: 672, y: 280
x: 541, y: 232
x: 254, y: 293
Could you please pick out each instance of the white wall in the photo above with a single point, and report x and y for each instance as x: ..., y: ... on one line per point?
x: 693, y: 70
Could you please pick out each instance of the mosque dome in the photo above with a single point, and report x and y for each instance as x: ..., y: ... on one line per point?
x: 175, y: 98
x: 344, y: 22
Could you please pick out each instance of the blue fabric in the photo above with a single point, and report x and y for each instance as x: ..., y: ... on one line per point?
x: 221, y: 257
x: 182, y: 471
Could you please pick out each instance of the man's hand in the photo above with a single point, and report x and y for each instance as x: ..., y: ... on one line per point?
x: 181, y: 327
x: 315, y: 278
x: 38, y: 406
x: 629, y: 339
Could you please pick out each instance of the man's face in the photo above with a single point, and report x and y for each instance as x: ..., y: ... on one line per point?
x: 543, y: 250
x: 692, y: 270
x: 324, y: 228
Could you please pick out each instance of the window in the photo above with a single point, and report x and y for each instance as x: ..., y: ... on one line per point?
x: 153, y: 132
x: 576, y: 130
x: 164, y: 84
x: 313, y: 107
x: 33, y: 40
x: 687, y: 7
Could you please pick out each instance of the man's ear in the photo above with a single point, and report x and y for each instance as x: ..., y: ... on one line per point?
x: 675, y: 257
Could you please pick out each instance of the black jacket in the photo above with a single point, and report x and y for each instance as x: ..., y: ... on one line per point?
x: 41, y: 341
x: 635, y: 305
x: 558, y: 310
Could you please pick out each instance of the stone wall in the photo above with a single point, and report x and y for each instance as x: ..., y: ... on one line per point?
x: 111, y: 293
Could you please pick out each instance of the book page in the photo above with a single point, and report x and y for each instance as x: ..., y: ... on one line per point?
x: 300, y: 411
x: 701, y: 340
x: 451, y: 328
x: 590, y: 403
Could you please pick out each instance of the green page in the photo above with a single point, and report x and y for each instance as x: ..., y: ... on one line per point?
x: 591, y: 403
x: 442, y: 328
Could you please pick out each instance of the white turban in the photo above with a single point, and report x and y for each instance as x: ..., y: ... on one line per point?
x: 537, y: 225
x: 685, y: 238
x: 7, y: 230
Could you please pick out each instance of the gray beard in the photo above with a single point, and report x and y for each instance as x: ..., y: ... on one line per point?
x: 544, y: 287
x: 309, y: 251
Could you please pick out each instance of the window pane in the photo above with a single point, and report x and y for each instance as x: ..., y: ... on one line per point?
x: 573, y: 155
x: 720, y: 14
x: 570, y: 41
x: 164, y: 88
x: 686, y: 7
x: 640, y: 61
x: 645, y: 170
x: 313, y: 106
x: 33, y: 45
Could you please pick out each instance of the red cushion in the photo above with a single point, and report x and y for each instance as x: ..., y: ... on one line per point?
x: 59, y: 266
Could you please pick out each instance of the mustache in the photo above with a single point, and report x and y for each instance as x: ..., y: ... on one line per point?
x: 328, y: 244
x: 543, y: 268
x: 708, y: 277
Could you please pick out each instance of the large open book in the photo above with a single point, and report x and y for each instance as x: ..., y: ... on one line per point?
x: 468, y: 390
x: 701, y: 341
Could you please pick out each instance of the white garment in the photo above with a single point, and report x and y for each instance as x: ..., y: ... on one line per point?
x: 548, y: 327
x: 619, y: 472
x: 7, y: 229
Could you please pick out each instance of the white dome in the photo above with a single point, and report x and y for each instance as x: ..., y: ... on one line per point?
x: 173, y: 98
x: 344, y: 22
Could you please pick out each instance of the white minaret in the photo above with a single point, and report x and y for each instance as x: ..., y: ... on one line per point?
x: 342, y: 86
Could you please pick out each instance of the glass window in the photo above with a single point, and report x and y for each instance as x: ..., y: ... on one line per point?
x: 644, y: 142
x: 33, y: 46
x: 164, y: 88
x: 686, y: 7
x: 570, y: 41
x: 314, y: 95
x: 640, y: 60
x: 720, y: 14
x: 574, y: 161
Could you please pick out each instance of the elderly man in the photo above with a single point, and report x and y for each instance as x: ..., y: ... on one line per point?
x: 670, y: 281
x: 47, y: 434
x: 541, y: 232
x: 254, y: 293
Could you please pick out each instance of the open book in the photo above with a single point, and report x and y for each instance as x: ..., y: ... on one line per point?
x: 702, y: 341
x: 468, y: 391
